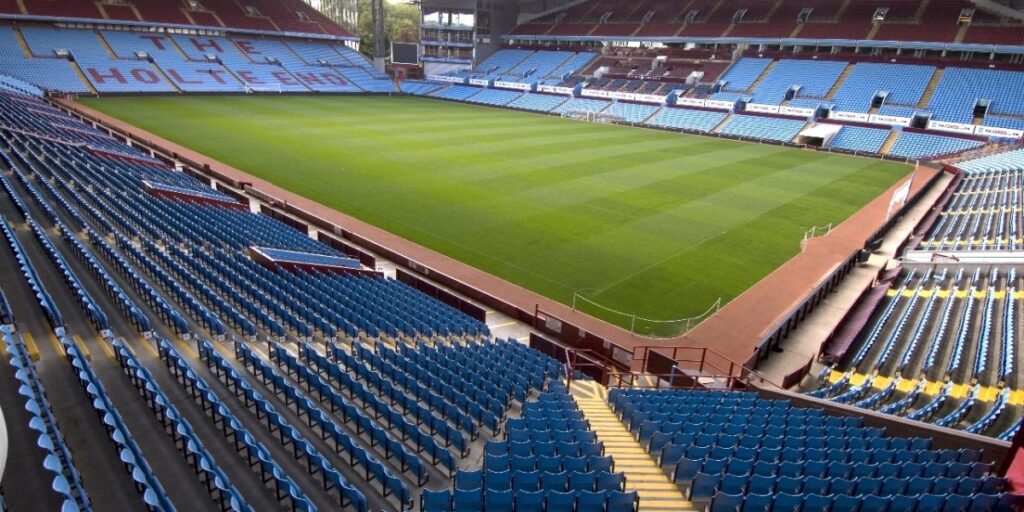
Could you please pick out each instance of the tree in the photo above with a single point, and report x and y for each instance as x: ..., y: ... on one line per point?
x: 401, y: 24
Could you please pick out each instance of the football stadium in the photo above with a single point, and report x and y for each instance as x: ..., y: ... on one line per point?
x: 512, y: 255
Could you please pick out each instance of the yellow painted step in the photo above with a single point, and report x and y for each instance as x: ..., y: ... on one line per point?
x: 657, y: 493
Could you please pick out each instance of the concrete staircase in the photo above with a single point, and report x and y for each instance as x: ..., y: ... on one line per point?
x: 926, y: 97
x: 721, y: 124
x: 22, y: 43
x: 82, y: 77
x: 842, y: 10
x: 764, y: 74
x: 657, y: 493
x: 890, y: 141
x: 106, y: 45
x: 874, y: 30
x: 839, y: 81
x: 166, y: 78
x: 920, y: 11
x: 961, y: 33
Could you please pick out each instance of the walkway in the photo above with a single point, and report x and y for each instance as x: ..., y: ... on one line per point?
x: 657, y: 492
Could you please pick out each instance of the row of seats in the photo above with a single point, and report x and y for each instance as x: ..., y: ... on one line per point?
x: 908, y: 145
x: 727, y: 463
x: 287, y: 15
x: 763, y: 128
x: 952, y: 324
x: 146, y: 483
x: 527, y: 66
x: 185, y: 438
x: 433, y: 423
x: 456, y: 413
x: 859, y: 139
x: 982, y: 214
x: 67, y: 482
x: 200, y: 263
x: 329, y: 387
x: 151, y: 62
x: 474, y: 500
x: 320, y: 466
x: 250, y: 448
x: 390, y: 484
x: 913, y: 145
x: 725, y: 502
x: 504, y: 486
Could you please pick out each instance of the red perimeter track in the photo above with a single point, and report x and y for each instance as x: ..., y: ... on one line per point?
x: 734, y: 332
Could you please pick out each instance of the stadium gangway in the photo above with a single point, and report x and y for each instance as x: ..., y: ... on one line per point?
x: 135, y: 463
x: 965, y: 327
x: 981, y: 353
x: 318, y: 465
x: 1006, y: 355
x: 922, y: 326
x: 880, y: 323
x: 43, y: 297
x: 905, y: 316
x: 66, y: 481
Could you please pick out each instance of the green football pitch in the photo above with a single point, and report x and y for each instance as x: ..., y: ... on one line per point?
x: 651, y: 223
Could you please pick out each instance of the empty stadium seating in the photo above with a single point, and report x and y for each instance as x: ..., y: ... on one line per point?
x: 156, y: 62
x: 421, y: 406
x: 1003, y: 89
x: 690, y: 120
x: 918, y: 145
x: 550, y: 457
x: 582, y: 105
x: 631, y: 112
x: 263, y: 15
x: 538, y: 102
x: 742, y: 74
x: 766, y: 128
x: 853, y: 138
x: 936, y: 22
x: 359, y: 391
x: 901, y: 84
x: 731, y: 448
x: 925, y: 312
x: 801, y: 78
x: 495, y: 97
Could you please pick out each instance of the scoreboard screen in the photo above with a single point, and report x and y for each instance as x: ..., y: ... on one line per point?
x: 405, y: 53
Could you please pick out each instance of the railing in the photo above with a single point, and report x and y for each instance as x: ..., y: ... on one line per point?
x: 670, y: 367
